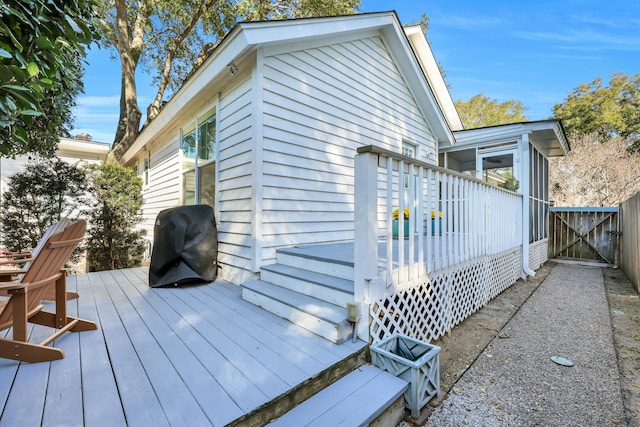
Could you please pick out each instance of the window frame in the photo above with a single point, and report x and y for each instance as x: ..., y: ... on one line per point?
x: 194, y: 127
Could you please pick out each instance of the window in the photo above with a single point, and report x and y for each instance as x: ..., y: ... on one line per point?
x: 408, y: 150
x: 146, y: 167
x: 198, y: 147
x: 538, y: 195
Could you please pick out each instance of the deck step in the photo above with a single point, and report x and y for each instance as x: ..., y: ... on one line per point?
x: 327, y: 288
x: 312, y: 258
x: 320, y: 317
x: 355, y: 400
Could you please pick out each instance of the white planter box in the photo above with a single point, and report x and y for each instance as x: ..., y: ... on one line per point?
x: 414, y: 361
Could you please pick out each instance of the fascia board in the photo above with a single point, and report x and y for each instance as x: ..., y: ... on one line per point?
x: 233, y: 46
x: 434, y: 76
x: 262, y: 33
x: 81, y: 146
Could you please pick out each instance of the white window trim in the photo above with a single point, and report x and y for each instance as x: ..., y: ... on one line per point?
x: 197, y: 162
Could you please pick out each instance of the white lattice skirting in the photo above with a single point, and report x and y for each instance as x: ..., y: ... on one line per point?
x: 447, y: 297
x: 538, y: 253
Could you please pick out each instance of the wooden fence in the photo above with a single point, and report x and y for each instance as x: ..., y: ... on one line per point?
x: 630, y: 239
x: 589, y: 234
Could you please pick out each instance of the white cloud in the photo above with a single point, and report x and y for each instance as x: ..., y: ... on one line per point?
x: 585, y: 40
x: 470, y: 22
x: 98, y: 101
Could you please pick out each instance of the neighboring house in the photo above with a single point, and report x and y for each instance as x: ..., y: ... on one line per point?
x: 306, y: 132
x: 70, y: 150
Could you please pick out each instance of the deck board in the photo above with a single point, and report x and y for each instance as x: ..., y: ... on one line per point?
x: 100, y: 394
x: 161, y: 319
x: 63, y: 405
x: 310, y: 342
x: 162, y: 350
x: 137, y: 395
x: 193, y: 355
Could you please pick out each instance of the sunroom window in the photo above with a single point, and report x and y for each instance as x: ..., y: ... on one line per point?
x: 198, y: 147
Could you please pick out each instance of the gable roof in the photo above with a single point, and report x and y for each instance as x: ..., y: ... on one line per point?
x: 247, y: 37
x: 548, y: 136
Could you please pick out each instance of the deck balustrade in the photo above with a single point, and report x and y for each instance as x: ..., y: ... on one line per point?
x: 454, y: 221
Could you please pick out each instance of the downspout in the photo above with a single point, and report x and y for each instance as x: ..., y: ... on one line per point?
x: 526, y: 177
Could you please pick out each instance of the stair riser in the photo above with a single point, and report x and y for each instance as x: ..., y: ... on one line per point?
x: 328, y: 268
x: 327, y: 330
x: 315, y: 290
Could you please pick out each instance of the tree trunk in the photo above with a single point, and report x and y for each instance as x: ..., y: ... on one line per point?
x: 130, y: 115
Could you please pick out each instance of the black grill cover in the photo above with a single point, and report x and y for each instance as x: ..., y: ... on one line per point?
x: 185, y: 246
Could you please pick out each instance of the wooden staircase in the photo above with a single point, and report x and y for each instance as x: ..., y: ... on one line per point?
x: 367, y: 396
x: 311, y: 286
x: 308, y: 289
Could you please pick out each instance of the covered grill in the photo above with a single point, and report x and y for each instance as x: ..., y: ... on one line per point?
x: 185, y: 246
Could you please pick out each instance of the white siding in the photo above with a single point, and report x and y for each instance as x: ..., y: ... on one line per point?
x: 235, y: 178
x: 163, y: 189
x: 320, y: 104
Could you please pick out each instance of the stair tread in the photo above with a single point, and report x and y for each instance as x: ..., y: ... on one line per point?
x: 318, y: 253
x: 356, y: 399
x: 318, y: 308
x: 325, y: 280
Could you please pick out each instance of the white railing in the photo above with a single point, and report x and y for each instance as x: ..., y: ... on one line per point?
x: 453, y: 218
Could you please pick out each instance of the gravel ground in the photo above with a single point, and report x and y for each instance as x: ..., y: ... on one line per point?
x: 513, y: 382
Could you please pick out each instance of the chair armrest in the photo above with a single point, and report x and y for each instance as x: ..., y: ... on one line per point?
x: 11, y: 271
x: 11, y: 286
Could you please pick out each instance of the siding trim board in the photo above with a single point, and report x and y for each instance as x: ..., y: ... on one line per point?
x: 258, y: 182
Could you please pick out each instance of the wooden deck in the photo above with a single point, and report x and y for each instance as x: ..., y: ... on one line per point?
x: 186, y: 356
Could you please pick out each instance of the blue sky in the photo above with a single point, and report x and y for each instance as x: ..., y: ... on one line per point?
x: 533, y: 52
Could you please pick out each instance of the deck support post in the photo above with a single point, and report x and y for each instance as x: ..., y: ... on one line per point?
x: 526, y: 223
x: 365, y: 237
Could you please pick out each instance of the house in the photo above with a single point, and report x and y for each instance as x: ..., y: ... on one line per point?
x: 305, y: 135
x: 69, y: 150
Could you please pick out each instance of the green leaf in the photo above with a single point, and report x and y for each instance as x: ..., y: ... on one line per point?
x: 44, y: 43
x: 16, y: 87
x: 31, y: 113
x: 5, y: 54
x: 33, y: 69
x: 5, y: 74
x: 11, y: 103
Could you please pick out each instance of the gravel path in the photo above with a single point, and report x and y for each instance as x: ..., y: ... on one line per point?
x: 514, y: 382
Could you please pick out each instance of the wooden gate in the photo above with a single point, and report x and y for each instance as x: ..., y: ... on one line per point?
x: 584, y: 233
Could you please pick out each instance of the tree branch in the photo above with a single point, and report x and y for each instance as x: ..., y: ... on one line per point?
x: 154, y: 107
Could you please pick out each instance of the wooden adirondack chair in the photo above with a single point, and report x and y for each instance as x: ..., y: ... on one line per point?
x: 24, y: 304
x: 25, y: 258
x: 9, y: 274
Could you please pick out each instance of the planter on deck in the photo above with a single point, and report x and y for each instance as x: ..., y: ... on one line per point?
x: 395, y: 228
x: 433, y: 227
x: 414, y: 361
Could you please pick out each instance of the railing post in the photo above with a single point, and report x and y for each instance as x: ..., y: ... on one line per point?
x: 365, y: 236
